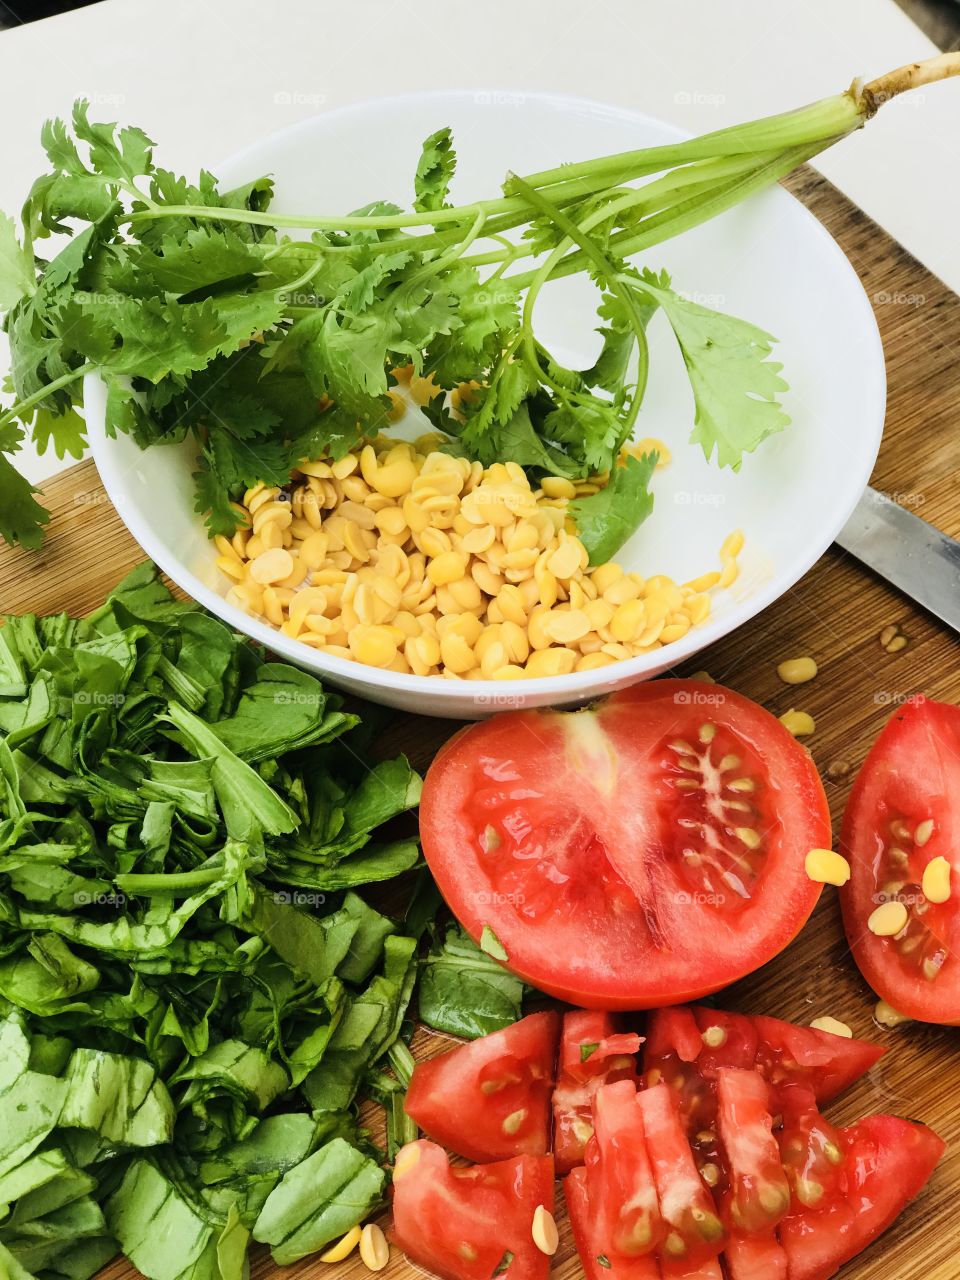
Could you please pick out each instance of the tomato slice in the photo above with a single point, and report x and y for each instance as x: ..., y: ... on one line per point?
x: 490, y: 1099
x: 592, y: 1053
x: 756, y: 1193
x: 644, y: 851
x: 474, y: 1223
x: 687, y: 1047
x: 623, y: 1191
x: 588, y: 1236
x: 887, y: 1161
x: 810, y: 1149
x: 904, y: 811
x: 694, y: 1232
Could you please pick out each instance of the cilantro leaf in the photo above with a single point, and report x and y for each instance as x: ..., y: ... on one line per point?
x: 606, y: 519
x: 21, y: 517
x: 435, y: 170
x: 66, y: 431
x: 17, y: 278
x: 735, y: 385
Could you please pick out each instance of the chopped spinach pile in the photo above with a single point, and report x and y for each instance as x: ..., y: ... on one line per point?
x: 193, y: 996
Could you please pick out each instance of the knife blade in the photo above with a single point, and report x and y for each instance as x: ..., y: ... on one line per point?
x: 910, y: 553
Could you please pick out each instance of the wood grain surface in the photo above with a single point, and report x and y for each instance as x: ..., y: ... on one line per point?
x: 836, y: 613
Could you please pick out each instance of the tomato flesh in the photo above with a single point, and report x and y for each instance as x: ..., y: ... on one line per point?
x: 757, y: 1193
x: 588, y: 1236
x: 592, y: 1053
x: 693, y: 1230
x: 904, y: 811
x: 641, y: 852
x: 887, y: 1161
x: 470, y: 1224
x: 619, y: 1174
x: 688, y: 1047
x: 490, y: 1099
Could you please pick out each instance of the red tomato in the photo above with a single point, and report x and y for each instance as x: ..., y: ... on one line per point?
x: 588, y: 1237
x: 887, y: 1161
x: 903, y: 812
x: 692, y: 1044
x: 810, y: 1148
x: 592, y: 1053
x: 470, y: 1224
x: 640, y: 852
x: 490, y: 1099
x: 694, y: 1232
x: 620, y: 1178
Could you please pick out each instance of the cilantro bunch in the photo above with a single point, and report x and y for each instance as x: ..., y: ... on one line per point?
x: 205, y: 316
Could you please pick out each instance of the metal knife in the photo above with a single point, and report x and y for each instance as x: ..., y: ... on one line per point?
x: 923, y: 562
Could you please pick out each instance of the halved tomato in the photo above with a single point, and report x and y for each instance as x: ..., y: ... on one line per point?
x: 904, y: 812
x: 490, y: 1098
x: 886, y: 1161
x: 592, y: 1053
x: 470, y: 1224
x: 640, y: 852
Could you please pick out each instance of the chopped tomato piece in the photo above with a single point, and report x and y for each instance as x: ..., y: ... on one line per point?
x: 623, y: 1191
x: 686, y: 1047
x: 756, y: 1194
x: 759, y: 1194
x: 587, y: 1234
x: 902, y: 815
x: 474, y: 1223
x: 490, y: 1098
x: 694, y: 1232
x: 886, y: 1163
x: 647, y: 849
x: 592, y: 1053
x: 810, y: 1149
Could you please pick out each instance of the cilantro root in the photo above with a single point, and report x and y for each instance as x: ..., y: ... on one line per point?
x: 204, y: 318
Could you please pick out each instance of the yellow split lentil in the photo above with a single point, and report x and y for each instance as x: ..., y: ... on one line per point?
x: 408, y: 559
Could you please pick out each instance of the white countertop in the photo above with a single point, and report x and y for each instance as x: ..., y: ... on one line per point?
x: 204, y: 77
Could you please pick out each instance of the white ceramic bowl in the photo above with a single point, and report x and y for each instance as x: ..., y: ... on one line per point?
x: 768, y: 261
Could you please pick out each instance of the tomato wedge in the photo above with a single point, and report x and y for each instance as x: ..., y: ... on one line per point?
x: 756, y: 1193
x: 687, y: 1047
x: 643, y: 851
x: 887, y: 1161
x: 490, y: 1099
x: 694, y: 1232
x: 592, y: 1053
x: 904, y: 812
x: 470, y: 1224
x: 619, y: 1174
x: 588, y: 1236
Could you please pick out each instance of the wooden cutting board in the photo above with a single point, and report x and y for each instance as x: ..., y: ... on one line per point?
x: 836, y: 613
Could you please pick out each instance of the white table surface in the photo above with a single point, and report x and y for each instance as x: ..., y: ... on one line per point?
x: 204, y: 77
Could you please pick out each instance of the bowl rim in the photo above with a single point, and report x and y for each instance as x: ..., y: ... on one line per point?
x: 578, y: 685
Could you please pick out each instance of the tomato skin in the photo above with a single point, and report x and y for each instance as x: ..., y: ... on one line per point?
x: 911, y: 776
x: 459, y: 1223
x: 469, y: 1097
x: 888, y: 1162
x: 589, y: 1240
x: 579, y: 1078
x: 569, y: 834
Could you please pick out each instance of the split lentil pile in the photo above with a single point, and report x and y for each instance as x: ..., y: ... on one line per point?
x: 411, y: 560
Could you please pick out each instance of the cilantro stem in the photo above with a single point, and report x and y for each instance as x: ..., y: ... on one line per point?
x: 579, y: 235
x: 17, y: 410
